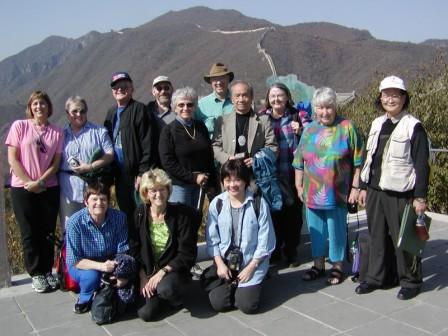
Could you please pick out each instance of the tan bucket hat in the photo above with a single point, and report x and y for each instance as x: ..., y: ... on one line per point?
x: 218, y: 69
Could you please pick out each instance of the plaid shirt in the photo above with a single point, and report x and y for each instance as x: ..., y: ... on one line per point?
x: 87, y: 241
x: 287, y: 142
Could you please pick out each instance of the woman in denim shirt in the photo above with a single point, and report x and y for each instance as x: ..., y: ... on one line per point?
x: 240, y: 238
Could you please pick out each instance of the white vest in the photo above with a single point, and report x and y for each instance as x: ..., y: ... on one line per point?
x: 397, y: 168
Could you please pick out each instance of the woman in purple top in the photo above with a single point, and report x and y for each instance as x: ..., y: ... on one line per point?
x: 34, y: 153
x: 327, y: 163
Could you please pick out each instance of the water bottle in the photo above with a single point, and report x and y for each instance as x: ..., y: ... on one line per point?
x: 420, y: 227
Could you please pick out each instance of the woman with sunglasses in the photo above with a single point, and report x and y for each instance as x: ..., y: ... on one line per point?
x: 87, y: 150
x: 34, y: 154
x: 185, y: 150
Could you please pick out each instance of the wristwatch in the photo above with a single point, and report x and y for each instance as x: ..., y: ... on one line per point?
x: 165, y: 270
x: 41, y: 183
x: 420, y: 199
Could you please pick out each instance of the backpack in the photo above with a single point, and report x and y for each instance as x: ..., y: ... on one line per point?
x: 105, y: 304
x: 257, y: 201
x: 66, y: 282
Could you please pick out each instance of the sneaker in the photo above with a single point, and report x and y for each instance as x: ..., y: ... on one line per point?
x: 52, y: 281
x: 40, y: 284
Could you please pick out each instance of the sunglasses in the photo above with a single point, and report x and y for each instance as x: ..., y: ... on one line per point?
x: 120, y: 86
x: 41, y: 146
x: 78, y: 111
x: 163, y: 87
x: 182, y: 105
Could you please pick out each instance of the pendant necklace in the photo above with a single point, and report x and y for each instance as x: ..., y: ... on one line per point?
x: 242, y: 137
x: 193, y: 137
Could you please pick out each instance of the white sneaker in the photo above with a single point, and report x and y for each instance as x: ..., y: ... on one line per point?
x: 52, y: 281
x: 40, y: 284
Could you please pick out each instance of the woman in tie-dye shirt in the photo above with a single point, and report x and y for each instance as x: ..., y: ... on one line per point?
x: 327, y: 164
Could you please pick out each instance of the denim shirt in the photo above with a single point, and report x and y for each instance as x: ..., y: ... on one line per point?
x: 257, y: 235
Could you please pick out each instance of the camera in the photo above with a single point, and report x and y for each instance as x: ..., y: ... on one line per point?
x: 352, y: 208
x: 234, y: 259
x: 73, y: 162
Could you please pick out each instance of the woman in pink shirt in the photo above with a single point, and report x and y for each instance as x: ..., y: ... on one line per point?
x: 34, y: 154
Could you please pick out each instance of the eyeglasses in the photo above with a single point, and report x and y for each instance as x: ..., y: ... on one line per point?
x: 153, y: 192
x: 41, y: 146
x: 124, y: 87
x: 393, y: 97
x: 182, y: 105
x: 163, y: 87
x: 78, y: 111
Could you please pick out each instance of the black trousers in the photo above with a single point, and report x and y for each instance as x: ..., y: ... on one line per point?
x: 169, y: 291
x: 36, y: 215
x: 226, y: 297
x: 126, y: 194
x: 384, y: 213
x: 288, y: 225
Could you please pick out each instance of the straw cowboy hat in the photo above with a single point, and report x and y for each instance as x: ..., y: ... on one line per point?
x: 218, y: 69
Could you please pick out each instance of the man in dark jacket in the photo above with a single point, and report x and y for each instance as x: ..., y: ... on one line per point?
x: 129, y: 126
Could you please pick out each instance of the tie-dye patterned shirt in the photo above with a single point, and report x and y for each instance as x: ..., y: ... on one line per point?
x: 328, y: 155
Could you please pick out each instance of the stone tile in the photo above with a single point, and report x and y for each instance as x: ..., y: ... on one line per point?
x: 75, y: 328
x: 34, y: 299
x: 424, y: 316
x: 343, y: 316
x: 15, y: 325
x: 220, y: 324
x: 384, y: 302
x: 286, y: 322
x: 309, y: 301
x: 385, y: 326
x: 8, y: 306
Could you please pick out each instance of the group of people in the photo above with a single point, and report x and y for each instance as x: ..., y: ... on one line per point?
x: 163, y: 158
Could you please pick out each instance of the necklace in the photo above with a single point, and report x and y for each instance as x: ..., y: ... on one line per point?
x: 194, y: 131
x: 242, y: 137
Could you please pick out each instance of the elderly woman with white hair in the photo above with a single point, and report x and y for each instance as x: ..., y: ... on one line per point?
x: 185, y: 150
x: 87, y: 149
x: 327, y: 163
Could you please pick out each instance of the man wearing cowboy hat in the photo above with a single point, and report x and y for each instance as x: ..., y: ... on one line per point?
x: 219, y: 102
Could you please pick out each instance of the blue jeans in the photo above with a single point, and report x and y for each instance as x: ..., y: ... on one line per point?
x: 89, y: 281
x: 187, y: 194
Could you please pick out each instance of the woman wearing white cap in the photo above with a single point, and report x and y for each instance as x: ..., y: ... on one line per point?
x: 395, y: 172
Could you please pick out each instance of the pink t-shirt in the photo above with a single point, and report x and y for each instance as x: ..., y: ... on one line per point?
x: 35, y: 158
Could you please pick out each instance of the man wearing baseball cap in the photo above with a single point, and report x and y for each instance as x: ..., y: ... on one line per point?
x: 219, y: 102
x: 129, y: 126
x: 160, y: 110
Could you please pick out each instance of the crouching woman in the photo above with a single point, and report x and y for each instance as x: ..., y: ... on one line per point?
x: 164, y: 245
x: 94, y: 237
x: 240, y: 238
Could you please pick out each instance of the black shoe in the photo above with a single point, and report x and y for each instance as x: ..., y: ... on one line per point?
x: 406, y: 293
x: 81, y: 308
x: 365, y: 288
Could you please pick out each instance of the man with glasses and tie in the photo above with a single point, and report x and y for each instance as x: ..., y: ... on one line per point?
x: 129, y: 126
x: 160, y: 110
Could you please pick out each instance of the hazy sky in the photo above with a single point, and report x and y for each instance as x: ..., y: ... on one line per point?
x: 24, y: 23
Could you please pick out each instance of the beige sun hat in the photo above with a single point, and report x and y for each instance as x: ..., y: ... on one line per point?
x: 218, y: 69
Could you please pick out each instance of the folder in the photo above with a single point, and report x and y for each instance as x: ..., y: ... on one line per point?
x: 407, y: 238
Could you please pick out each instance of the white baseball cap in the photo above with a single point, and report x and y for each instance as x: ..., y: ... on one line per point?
x: 160, y: 79
x: 392, y: 82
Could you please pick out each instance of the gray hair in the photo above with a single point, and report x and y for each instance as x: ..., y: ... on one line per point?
x: 239, y: 81
x: 78, y: 101
x: 185, y: 92
x: 324, y: 96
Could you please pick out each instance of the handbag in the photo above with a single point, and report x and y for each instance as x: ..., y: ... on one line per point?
x: 66, y: 282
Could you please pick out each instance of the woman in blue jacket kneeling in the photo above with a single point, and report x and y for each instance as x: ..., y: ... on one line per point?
x: 240, y: 238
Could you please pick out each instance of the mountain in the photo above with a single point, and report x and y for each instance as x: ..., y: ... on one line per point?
x: 183, y: 45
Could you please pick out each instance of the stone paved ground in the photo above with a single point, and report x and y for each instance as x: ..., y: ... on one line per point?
x: 290, y: 307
